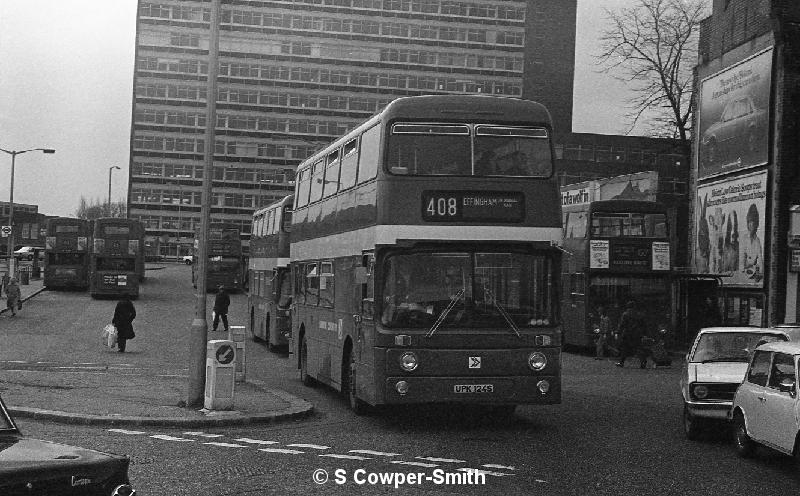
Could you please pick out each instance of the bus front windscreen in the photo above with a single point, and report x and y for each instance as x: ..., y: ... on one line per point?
x: 467, y: 289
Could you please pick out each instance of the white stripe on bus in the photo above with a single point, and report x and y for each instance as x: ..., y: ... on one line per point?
x: 354, y: 242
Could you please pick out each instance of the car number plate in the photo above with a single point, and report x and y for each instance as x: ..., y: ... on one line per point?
x: 473, y: 388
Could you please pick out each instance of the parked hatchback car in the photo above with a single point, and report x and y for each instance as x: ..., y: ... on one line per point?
x: 714, y: 368
x: 32, y: 466
x: 187, y: 259
x: 766, y: 407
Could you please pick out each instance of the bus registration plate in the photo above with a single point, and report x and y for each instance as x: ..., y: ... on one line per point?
x: 473, y: 388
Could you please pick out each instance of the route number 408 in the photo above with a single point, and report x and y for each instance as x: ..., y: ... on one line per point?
x: 442, y: 207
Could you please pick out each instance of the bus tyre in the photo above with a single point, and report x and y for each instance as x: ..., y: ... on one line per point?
x: 358, y: 406
x: 304, y: 377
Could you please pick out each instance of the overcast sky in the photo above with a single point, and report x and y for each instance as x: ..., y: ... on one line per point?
x: 66, y: 83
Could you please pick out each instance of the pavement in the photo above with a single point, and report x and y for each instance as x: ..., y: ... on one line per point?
x: 106, y: 394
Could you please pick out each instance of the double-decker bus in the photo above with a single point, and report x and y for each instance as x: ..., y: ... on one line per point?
x: 117, y: 258
x: 270, y: 291
x: 425, y: 256
x: 224, y: 266
x: 619, y: 252
x: 66, y: 254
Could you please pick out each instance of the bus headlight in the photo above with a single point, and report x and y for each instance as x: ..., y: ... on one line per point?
x: 537, y: 361
x: 408, y: 361
x: 401, y: 387
x: 543, y: 387
x: 700, y: 392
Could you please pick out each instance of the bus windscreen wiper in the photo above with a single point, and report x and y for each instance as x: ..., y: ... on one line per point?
x: 440, y: 319
x: 503, y: 312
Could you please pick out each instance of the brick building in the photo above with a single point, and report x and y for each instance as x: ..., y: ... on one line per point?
x: 745, y: 181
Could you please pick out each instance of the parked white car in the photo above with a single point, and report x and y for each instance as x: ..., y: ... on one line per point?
x: 766, y: 408
x: 714, y: 368
x: 187, y: 259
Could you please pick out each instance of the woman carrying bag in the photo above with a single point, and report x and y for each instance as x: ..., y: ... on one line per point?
x: 124, y: 314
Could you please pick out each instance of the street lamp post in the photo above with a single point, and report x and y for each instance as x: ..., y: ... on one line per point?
x: 109, y: 188
x: 14, y: 153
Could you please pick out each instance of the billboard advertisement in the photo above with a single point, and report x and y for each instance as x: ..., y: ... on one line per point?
x: 733, y: 117
x: 729, y: 223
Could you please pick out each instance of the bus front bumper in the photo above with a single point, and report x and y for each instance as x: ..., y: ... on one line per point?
x: 533, y: 390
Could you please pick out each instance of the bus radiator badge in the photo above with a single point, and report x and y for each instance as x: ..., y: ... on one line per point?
x: 474, y: 362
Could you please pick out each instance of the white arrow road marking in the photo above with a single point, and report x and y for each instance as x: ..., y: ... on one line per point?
x: 170, y: 438
x: 376, y: 453
x: 124, y: 431
x: 348, y: 457
x: 416, y: 464
x: 201, y: 434
x: 309, y: 446
x: 501, y: 467
x: 485, y: 472
x: 254, y: 441
x: 278, y: 450
x: 441, y: 460
x: 226, y: 445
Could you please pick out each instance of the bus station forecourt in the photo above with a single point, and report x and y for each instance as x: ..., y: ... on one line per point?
x: 108, y: 398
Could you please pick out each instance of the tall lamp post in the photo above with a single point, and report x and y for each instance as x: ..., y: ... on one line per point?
x: 14, y: 153
x: 109, y: 188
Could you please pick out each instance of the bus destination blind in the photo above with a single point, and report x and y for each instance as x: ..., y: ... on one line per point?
x: 469, y: 206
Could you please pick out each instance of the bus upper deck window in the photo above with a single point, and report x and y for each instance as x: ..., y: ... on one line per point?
x: 430, y: 149
x: 512, y: 151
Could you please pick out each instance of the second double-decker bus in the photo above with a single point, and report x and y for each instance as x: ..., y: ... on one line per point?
x: 425, y: 259
x: 619, y: 252
x: 270, y: 292
x: 224, y: 267
x: 117, y: 258
x: 66, y: 254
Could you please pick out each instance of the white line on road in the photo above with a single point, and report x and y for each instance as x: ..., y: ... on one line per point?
x: 416, y: 464
x: 376, y: 453
x: 347, y: 457
x: 125, y: 431
x: 254, y: 441
x: 201, y: 434
x: 278, y: 450
x: 310, y: 446
x: 226, y: 445
x: 501, y: 467
x: 171, y: 438
x: 440, y: 460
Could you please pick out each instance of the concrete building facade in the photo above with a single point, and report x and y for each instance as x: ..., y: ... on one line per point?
x: 296, y: 74
x: 745, y: 180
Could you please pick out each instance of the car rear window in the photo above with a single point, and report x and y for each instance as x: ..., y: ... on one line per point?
x: 730, y: 346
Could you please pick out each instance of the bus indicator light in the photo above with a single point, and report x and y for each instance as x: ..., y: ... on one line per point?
x: 543, y: 340
x: 402, y: 340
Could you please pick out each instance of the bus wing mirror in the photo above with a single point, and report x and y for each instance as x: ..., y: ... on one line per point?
x: 361, y: 275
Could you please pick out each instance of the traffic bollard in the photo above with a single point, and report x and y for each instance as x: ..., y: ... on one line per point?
x: 236, y: 333
x: 220, y: 374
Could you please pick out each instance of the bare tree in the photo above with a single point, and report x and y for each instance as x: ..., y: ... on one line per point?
x: 653, y: 45
x: 97, y: 209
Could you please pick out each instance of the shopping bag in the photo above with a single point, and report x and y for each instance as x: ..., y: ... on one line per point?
x: 109, y: 336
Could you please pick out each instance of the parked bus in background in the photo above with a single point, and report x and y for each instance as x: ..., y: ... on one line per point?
x: 66, y: 254
x: 117, y: 257
x: 270, y: 292
x: 619, y: 252
x: 425, y: 259
x: 224, y: 266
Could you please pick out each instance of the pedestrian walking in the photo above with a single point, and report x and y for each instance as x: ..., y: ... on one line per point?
x: 13, y: 301
x: 124, y: 314
x: 221, y: 304
x: 630, y: 331
x: 602, y: 329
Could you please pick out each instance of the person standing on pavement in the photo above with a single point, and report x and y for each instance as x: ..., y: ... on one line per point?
x: 630, y: 334
x: 124, y: 314
x: 221, y: 304
x: 13, y: 296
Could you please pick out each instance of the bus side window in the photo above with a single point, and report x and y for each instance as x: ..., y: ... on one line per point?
x: 312, y: 284
x: 326, y: 284
x: 347, y: 177
x: 368, y: 288
x: 299, y: 283
x: 368, y: 161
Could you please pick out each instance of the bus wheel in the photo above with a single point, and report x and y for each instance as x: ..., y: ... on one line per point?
x: 304, y: 377
x: 349, y: 385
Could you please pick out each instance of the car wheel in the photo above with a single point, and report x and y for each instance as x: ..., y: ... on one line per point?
x: 745, y: 447
x: 693, y: 427
x: 304, y: 377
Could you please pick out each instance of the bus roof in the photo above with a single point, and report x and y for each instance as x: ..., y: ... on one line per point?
x: 286, y: 200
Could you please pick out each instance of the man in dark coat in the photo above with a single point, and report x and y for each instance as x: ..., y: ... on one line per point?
x: 221, y: 304
x: 124, y: 314
x: 630, y: 330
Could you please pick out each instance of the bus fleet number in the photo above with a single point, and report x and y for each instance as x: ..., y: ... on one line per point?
x: 442, y: 207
